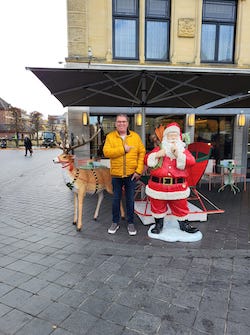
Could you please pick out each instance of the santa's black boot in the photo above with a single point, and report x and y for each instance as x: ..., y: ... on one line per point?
x: 158, y: 226
x: 186, y: 226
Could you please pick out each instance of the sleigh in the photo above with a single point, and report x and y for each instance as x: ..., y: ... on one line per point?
x: 199, y: 205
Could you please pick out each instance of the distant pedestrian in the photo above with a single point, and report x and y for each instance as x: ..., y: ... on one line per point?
x: 28, y: 146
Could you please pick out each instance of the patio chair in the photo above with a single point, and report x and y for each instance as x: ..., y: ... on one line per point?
x: 211, y: 175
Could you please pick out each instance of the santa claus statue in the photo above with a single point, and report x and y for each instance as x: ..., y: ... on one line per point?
x: 167, y: 187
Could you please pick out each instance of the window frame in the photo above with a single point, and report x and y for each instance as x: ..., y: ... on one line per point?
x: 152, y: 18
x: 218, y: 23
x: 120, y: 16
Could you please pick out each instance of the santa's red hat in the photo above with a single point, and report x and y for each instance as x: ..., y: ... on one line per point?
x: 172, y: 128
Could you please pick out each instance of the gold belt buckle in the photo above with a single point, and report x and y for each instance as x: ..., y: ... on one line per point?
x: 165, y: 179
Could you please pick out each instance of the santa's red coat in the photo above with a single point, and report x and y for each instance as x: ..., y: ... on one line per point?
x: 173, y: 168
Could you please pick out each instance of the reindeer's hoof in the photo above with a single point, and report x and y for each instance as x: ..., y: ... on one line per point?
x: 123, y: 217
x: 74, y: 223
x: 78, y: 229
x: 95, y: 219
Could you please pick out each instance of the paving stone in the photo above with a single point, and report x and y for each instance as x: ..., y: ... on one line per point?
x: 94, y: 306
x: 69, y: 279
x: 171, y: 328
x: 118, y: 314
x: 4, y: 309
x: 88, y: 286
x: 56, y: 313
x: 34, y: 305
x: 144, y: 322
x: 234, y: 328
x: 135, y: 301
x: 239, y: 316
x: 50, y: 275
x: 178, y: 314
x: 18, y: 279
x: 187, y: 299
x: 6, y: 260
x: 15, y: 298
x: 239, y: 302
x: 60, y: 331
x: 5, y: 289
x: 34, y: 285
x: 131, y: 332
x: 79, y: 322
x: 209, y: 324
x: 13, y: 321
x: 73, y: 298
x: 118, y: 282
x: 53, y: 291
x: 36, y: 327
x: 107, y: 292
x: 105, y: 328
x: 212, y: 306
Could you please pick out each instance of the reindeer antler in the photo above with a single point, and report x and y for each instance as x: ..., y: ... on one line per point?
x: 66, y: 147
x: 79, y: 144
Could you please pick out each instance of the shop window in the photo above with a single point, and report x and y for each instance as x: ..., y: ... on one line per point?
x: 217, y: 131
x: 218, y: 31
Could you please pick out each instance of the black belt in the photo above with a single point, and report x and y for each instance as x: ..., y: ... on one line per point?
x: 168, y: 180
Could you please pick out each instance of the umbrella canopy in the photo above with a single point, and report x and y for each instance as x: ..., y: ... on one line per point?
x: 124, y: 86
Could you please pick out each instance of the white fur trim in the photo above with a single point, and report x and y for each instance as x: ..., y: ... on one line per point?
x: 159, y: 216
x: 167, y: 195
x: 180, y: 218
x: 172, y: 129
x: 181, y: 161
x: 152, y: 160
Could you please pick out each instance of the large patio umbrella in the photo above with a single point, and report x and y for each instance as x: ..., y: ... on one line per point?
x: 127, y: 86
x: 105, y: 85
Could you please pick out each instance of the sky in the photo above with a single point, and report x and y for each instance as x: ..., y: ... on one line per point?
x: 33, y: 33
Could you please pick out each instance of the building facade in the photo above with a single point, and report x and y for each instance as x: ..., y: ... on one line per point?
x: 199, y: 34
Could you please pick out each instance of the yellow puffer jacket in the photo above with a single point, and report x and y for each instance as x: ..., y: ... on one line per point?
x: 124, y: 164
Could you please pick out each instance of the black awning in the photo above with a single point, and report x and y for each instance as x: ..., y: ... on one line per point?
x: 143, y: 87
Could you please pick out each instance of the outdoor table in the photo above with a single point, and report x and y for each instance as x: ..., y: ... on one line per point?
x: 229, y: 180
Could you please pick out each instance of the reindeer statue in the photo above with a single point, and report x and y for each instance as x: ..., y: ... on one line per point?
x: 86, y: 180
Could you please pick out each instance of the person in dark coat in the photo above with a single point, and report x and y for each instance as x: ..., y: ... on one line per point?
x: 28, y: 145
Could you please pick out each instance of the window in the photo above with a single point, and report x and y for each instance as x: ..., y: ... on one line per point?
x: 218, y: 31
x: 218, y: 131
x: 125, y: 29
x: 157, y: 30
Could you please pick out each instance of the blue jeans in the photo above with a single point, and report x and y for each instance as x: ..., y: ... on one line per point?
x: 129, y: 195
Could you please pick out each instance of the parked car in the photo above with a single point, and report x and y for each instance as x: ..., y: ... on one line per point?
x: 3, y: 143
x: 49, y: 139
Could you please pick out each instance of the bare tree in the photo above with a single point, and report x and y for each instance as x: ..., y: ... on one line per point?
x: 36, y: 122
x: 16, y: 120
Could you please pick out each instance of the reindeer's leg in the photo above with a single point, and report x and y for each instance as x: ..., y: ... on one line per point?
x: 100, y: 196
x: 81, y: 196
x: 75, y: 208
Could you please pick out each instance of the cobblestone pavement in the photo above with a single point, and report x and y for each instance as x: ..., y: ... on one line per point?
x: 57, y: 281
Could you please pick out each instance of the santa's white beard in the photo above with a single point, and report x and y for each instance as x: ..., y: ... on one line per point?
x: 168, y: 144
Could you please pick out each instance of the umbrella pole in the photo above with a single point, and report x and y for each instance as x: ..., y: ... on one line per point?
x: 143, y: 109
x: 143, y: 126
